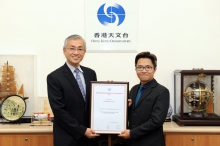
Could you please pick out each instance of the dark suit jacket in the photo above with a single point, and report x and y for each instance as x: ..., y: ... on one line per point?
x: 147, y: 118
x: 71, y: 113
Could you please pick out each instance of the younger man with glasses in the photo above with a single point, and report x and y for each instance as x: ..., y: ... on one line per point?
x: 149, y: 105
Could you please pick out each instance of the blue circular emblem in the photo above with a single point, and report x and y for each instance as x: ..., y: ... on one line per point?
x: 111, y: 14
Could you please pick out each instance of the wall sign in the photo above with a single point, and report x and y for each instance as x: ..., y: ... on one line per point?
x: 111, y: 26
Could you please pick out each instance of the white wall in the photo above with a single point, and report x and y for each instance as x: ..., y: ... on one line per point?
x: 184, y: 34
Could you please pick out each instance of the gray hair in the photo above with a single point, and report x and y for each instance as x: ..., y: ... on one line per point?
x: 74, y: 37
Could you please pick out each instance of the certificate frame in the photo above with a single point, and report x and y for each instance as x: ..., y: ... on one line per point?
x: 109, y: 102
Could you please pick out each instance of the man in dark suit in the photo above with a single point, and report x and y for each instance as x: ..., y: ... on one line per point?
x: 69, y: 96
x: 149, y: 104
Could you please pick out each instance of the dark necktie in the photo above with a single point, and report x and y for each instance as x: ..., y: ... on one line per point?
x: 79, y: 81
x: 139, y: 94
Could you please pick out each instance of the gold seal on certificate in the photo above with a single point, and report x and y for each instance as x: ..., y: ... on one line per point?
x: 109, y: 106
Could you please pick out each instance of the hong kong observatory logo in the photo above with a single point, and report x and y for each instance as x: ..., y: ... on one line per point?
x: 111, y: 15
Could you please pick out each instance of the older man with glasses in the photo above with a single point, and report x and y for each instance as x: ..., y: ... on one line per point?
x: 69, y: 96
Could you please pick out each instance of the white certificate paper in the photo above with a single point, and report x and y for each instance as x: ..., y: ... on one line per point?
x: 109, y: 107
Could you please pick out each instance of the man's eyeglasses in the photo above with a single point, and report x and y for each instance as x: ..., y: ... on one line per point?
x: 141, y: 68
x: 80, y: 50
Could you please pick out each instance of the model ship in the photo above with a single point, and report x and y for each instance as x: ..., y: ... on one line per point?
x: 8, y: 85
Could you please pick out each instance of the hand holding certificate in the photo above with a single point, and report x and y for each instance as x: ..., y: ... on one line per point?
x: 109, y: 107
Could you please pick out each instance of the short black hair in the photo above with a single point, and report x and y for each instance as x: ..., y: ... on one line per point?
x: 152, y: 57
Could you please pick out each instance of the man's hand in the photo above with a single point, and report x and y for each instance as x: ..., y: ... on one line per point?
x: 129, y: 102
x: 125, y: 134
x: 90, y: 133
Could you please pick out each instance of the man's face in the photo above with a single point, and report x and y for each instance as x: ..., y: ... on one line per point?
x: 74, y: 52
x: 147, y: 74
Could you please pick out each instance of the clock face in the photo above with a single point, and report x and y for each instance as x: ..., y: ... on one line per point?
x: 13, y: 108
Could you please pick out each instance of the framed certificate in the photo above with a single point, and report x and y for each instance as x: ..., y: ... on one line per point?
x: 109, y: 107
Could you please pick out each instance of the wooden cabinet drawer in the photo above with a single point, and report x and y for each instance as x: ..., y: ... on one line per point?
x: 26, y: 140
x: 191, y: 139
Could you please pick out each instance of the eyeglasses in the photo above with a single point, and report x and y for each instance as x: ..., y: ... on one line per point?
x: 141, y: 68
x: 80, y: 50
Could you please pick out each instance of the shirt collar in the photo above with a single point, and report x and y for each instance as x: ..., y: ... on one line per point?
x: 147, y: 84
x: 72, y: 68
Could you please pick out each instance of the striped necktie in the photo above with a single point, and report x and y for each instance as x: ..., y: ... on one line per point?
x: 79, y: 81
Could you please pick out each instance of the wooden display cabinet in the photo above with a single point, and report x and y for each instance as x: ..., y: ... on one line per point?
x: 25, y: 139
x: 192, y: 139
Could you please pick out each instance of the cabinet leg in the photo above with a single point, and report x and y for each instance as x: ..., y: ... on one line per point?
x: 109, y: 140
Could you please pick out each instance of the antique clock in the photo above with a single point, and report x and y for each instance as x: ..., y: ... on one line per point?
x: 196, y: 97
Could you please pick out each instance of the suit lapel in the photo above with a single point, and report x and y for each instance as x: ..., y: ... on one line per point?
x: 70, y: 77
x: 87, y: 82
x: 134, y: 94
x: 143, y: 96
x: 145, y: 93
